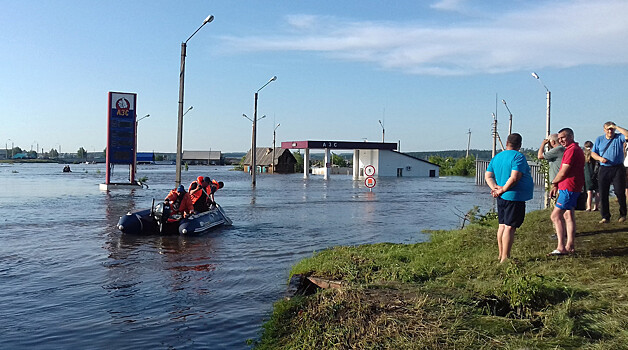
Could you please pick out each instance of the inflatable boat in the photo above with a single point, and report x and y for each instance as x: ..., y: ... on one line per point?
x: 158, y: 221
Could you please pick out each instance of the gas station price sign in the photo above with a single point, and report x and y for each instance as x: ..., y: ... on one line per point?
x: 121, y: 128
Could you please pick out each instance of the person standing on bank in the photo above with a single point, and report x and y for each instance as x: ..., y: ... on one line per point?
x: 608, y: 149
x: 591, y: 169
x: 508, y: 176
x: 568, y: 184
x: 553, y: 155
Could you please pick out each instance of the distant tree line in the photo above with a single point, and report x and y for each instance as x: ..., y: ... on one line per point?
x: 457, y: 167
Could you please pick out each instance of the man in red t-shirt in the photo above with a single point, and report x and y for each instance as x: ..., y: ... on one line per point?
x: 568, y: 183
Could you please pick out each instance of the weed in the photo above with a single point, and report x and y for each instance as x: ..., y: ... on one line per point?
x: 452, y: 293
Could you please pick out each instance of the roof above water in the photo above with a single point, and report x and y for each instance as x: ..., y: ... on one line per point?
x: 338, y: 145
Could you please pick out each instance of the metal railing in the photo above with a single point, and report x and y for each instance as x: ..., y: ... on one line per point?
x: 480, y: 169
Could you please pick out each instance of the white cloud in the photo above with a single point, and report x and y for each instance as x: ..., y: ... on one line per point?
x: 563, y: 34
x: 448, y: 5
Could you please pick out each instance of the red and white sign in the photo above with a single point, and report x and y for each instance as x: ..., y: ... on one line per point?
x: 370, y: 182
x: 369, y: 170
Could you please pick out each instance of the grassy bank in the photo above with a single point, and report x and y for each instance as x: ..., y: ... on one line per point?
x: 452, y: 293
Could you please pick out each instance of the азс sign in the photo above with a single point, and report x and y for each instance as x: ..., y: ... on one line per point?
x: 121, y: 128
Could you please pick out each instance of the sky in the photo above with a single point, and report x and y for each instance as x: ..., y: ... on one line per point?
x: 430, y: 71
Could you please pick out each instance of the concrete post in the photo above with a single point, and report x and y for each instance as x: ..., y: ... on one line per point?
x: 306, y: 163
x: 327, y: 163
x: 356, y: 164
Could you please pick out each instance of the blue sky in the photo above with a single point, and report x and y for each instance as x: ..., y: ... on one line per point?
x: 430, y: 70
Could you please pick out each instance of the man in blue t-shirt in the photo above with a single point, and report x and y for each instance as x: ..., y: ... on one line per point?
x: 508, y: 176
x: 608, y: 149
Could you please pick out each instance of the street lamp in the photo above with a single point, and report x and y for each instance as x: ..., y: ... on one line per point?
x: 135, y: 153
x: 180, y: 114
x: 6, y: 150
x: 510, y: 121
x: 549, y: 103
x: 146, y: 116
x: 189, y: 109
x: 274, y: 134
x: 253, y: 145
x: 546, y: 200
x: 383, y: 130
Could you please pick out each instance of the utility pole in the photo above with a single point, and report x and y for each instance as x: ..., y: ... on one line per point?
x: 494, y: 136
x: 469, y: 143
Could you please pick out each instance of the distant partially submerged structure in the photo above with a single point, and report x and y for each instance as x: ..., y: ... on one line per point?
x: 202, y: 157
x: 381, y: 155
x: 280, y: 161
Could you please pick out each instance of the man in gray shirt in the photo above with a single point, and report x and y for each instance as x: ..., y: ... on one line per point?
x: 554, y: 155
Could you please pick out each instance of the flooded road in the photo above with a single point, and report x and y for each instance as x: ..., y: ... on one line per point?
x: 70, y: 279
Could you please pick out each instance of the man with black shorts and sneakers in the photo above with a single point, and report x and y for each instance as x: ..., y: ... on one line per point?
x: 508, y: 176
x: 568, y: 184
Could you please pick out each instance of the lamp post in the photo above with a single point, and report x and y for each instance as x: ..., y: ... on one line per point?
x: 189, y: 109
x: 180, y: 114
x: 383, y: 130
x: 253, y: 145
x: 546, y: 200
x: 6, y: 150
x: 510, y: 120
x: 549, y: 104
x: 468, y: 143
x: 274, y: 134
x: 494, y: 151
x: 135, y: 153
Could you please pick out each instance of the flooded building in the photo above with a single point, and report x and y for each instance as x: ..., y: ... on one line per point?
x: 381, y: 156
x: 267, y: 160
x: 202, y: 157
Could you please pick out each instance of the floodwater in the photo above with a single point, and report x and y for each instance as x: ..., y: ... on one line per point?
x: 70, y: 279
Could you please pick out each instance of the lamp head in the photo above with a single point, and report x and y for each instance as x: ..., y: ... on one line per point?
x: 273, y: 78
x: 536, y: 76
x: 504, y: 101
x: 208, y: 19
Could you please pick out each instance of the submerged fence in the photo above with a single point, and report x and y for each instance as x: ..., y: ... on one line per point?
x: 481, y: 165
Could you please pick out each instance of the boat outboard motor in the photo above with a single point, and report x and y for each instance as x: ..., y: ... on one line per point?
x: 161, y: 215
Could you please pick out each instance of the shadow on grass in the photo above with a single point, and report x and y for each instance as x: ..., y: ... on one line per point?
x: 599, y: 232
x: 610, y: 252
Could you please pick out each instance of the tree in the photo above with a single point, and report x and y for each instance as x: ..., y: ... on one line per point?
x: 31, y: 155
x: 457, y: 167
x: 338, y: 160
x: 299, y: 158
x: 16, y: 150
x: 81, y: 153
x: 53, y: 153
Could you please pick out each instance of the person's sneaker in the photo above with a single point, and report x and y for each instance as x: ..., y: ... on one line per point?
x: 604, y: 221
x: 621, y: 219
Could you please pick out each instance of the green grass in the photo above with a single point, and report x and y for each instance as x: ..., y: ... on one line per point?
x: 452, y: 293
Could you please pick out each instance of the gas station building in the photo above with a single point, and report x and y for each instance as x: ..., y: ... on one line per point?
x: 381, y: 155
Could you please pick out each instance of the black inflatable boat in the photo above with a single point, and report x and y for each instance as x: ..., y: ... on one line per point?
x: 158, y: 221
